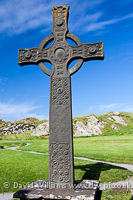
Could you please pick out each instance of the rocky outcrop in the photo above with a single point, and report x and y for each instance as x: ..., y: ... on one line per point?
x: 119, y: 120
x: 1, y: 121
x: 113, y: 126
x: 82, y: 126
x: 93, y: 127
x: 42, y: 129
x: 17, y: 127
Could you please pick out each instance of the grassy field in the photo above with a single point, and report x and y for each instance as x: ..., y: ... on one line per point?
x: 119, y: 196
x: 107, y: 148
x: 13, y: 144
x: 22, y: 168
x: 113, y: 146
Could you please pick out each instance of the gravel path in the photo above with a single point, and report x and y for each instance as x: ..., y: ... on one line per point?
x: 6, y: 196
x: 126, y: 166
x: 106, y: 186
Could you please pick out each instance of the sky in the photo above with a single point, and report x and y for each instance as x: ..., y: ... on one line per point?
x: 99, y: 86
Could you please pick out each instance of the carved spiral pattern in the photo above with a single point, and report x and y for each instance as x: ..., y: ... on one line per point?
x: 93, y: 49
x: 60, y: 166
x: 28, y: 55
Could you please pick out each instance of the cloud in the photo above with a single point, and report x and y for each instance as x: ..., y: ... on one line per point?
x: 83, y: 13
x: 127, y: 108
x: 83, y: 20
x: 114, y: 107
x: 10, y: 111
x: 121, y: 107
x: 2, y: 79
x: 102, y: 25
x: 17, y: 17
x: 2, y: 83
x: 110, y: 106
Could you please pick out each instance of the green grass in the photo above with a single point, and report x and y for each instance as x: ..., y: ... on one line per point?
x: 24, y: 168
x: 112, y: 145
x: 107, y: 130
x: 21, y: 167
x: 119, y: 196
x: 106, y: 148
x: 122, y: 130
x: 99, y: 171
x: 112, y: 149
x: 82, y: 118
x: 12, y: 144
x: 21, y: 136
x: 41, y: 146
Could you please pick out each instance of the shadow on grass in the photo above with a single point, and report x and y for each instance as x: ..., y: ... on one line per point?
x: 93, y: 171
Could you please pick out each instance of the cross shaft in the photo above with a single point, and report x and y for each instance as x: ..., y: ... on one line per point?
x: 59, y: 54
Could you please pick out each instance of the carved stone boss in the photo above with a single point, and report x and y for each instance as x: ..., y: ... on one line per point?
x: 60, y: 54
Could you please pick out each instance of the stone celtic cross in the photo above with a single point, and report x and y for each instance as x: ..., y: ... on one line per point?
x: 60, y: 54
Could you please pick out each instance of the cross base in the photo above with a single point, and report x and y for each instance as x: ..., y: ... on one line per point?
x: 41, y: 190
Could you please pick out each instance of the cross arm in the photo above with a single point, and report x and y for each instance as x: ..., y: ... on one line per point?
x: 94, y: 51
x: 32, y: 56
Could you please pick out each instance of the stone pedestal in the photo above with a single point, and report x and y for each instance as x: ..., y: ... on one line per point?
x: 40, y: 190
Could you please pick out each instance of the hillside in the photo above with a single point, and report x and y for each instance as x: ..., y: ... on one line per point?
x: 19, y: 126
x: 112, y: 123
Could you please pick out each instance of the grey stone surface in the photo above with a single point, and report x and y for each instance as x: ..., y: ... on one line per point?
x: 119, y: 120
x: 15, y: 128
x: 60, y: 54
x: 110, y: 197
x: 110, y: 119
x: 63, y: 194
x: 114, y: 126
x: 42, y: 129
x: 93, y: 127
x: 119, y: 190
x: 82, y: 190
